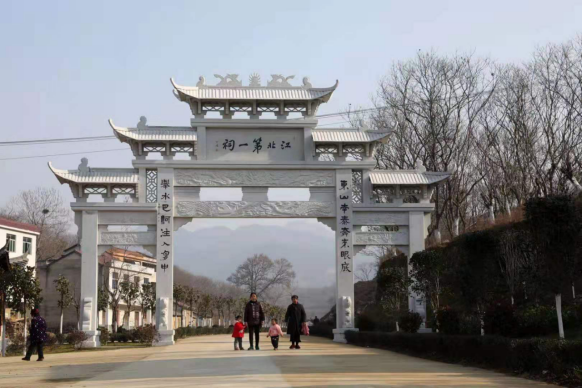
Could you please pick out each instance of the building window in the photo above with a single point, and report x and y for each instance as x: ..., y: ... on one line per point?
x: 146, y: 281
x: 126, y: 278
x: 27, y: 245
x: 115, y: 281
x: 11, y: 240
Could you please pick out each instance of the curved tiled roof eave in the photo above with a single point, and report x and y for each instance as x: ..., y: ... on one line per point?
x: 97, y: 176
x: 410, y: 177
x: 244, y: 93
x: 153, y: 134
x: 347, y: 136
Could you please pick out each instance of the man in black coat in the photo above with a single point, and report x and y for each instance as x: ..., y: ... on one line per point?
x: 295, y: 317
x: 254, y: 319
x: 37, y: 336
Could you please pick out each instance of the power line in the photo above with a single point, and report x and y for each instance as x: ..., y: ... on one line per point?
x: 68, y: 153
x: 96, y: 138
x: 50, y: 141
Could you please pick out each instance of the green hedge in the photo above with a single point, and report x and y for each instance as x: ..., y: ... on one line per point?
x: 549, y: 358
x: 321, y: 330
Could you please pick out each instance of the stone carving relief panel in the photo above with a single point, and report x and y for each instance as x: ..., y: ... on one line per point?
x: 87, y: 314
x: 128, y: 238
x: 381, y: 218
x: 397, y: 238
x: 242, y: 209
x: 164, y: 303
x: 271, y: 178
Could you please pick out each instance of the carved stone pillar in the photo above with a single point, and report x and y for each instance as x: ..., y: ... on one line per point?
x: 416, y: 302
x: 366, y: 187
x: 89, y: 267
x: 344, y: 256
x: 255, y: 194
x: 322, y: 194
x: 165, y: 256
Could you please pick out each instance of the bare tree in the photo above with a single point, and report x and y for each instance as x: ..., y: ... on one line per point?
x: 433, y: 103
x: 43, y: 207
x: 259, y: 273
x: 366, y: 271
x: 512, y: 258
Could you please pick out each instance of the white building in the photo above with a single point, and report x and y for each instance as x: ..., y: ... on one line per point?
x: 120, y: 265
x: 115, y: 266
x: 21, y: 239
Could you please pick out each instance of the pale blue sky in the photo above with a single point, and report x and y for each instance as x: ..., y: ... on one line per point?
x: 68, y: 66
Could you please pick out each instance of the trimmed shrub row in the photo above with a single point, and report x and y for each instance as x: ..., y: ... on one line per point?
x: 550, y: 358
x: 322, y: 329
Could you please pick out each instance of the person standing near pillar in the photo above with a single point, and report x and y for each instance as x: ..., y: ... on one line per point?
x: 295, y: 317
x: 37, y: 336
x: 254, y: 319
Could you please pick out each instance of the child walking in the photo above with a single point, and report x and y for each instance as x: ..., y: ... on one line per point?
x: 274, y: 333
x: 238, y: 333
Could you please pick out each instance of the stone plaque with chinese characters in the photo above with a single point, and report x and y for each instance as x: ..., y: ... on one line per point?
x: 165, y: 232
x: 344, y: 218
x: 254, y: 144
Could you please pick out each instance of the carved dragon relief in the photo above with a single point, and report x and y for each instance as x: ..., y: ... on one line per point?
x: 128, y: 238
x: 195, y: 177
x: 228, y: 80
x: 242, y: 209
x: 381, y: 218
x: 396, y: 238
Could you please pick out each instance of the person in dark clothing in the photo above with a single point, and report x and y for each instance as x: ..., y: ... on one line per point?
x: 315, y: 320
x: 254, y: 319
x: 295, y: 317
x: 37, y: 335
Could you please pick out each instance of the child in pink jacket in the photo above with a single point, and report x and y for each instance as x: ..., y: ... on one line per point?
x: 275, y: 332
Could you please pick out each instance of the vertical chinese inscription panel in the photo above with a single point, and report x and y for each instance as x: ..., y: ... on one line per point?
x: 165, y: 248
x: 344, y: 248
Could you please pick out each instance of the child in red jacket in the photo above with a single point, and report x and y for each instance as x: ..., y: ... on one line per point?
x: 238, y: 333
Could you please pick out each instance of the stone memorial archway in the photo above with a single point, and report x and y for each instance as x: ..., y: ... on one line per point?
x: 253, y: 153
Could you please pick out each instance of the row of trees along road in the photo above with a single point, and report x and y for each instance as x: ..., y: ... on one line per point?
x: 208, y: 298
x: 508, y: 132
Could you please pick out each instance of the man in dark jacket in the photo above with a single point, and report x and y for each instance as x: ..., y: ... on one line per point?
x: 295, y: 317
x: 37, y: 335
x: 254, y: 318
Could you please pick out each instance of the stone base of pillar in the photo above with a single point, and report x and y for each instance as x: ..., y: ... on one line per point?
x: 166, y: 338
x: 92, y: 340
x: 339, y: 334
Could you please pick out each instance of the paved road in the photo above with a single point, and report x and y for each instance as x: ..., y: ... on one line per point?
x: 210, y: 362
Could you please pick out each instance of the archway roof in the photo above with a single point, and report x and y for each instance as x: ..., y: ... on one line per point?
x: 407, y: 177
x: 126, y: 176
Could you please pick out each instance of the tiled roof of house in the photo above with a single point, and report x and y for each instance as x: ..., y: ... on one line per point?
x: 19, y: 225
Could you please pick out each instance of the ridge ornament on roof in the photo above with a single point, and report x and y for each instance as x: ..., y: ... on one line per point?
x: 229, y: 96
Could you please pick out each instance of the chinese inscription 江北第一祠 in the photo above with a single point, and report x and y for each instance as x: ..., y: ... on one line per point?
x: 257, y: 145
x: 165, y: 222
x: 345, y: 223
